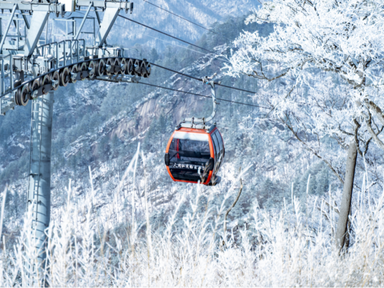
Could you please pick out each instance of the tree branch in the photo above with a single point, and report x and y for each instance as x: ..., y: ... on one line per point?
x: 377, y: 111
x: 312, y: 151
x: 262, y: 76
x: 233, y: 205
x: 373, y: 134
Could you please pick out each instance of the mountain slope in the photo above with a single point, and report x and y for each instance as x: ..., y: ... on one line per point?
x: 98, y: 126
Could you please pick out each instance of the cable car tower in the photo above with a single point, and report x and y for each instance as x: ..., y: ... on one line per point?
x: 34, y: 65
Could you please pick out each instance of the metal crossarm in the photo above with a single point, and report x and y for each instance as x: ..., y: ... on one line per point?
x: 126, y: 5
x: 32, y: 6
x: 82, y: 22
x: 8, y: 26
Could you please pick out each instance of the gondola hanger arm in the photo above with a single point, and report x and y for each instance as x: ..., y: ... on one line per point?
x: 211, y: 82
x: 200, y: 123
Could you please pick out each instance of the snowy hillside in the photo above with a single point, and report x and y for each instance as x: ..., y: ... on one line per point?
x: 99, y: 125
x: 117, y: 217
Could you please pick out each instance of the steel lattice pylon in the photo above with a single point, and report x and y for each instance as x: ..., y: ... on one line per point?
x: 39, y: 196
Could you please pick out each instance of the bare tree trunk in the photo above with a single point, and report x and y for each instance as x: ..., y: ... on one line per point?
x: 345, y: 208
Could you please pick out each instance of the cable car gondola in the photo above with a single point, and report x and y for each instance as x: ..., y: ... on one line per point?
x: 196, y: 150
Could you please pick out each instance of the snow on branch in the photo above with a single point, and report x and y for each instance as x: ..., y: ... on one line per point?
x: 320, y: 71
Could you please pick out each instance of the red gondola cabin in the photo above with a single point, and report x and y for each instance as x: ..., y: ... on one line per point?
x: 194, y: 155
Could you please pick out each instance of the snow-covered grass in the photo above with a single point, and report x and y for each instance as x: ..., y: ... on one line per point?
x: 291, y: 247
x: 281, y: 250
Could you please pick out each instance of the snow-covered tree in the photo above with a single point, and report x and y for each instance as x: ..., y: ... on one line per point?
x: 322, y: 67
x: 330, y: 52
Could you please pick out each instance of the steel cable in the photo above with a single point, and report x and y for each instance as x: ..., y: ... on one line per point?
x: 170, y: 12
x: 161, y: 32
x: 82, y: 13
x: 200, y: 95
x: 181, y: 91
x: 199, y: 79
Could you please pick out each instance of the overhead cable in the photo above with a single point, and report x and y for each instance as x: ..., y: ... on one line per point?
x: 183, y: 47
x: 199, y: 79
x: 189, y: 76
x: 170, y: 12
x: 191, y: 93
x: 200, y: 95
x: 174, y: 71
x: 161, y: 32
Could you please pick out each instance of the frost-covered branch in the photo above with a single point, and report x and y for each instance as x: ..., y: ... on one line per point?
x: 373, y: 133
x: 307, y: 147
x: 332, y: 53
x: 233, y: 205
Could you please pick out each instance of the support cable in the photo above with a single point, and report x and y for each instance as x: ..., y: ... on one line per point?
x: 181, y: 40
x: 188, y: 48
x: 181, y: 17
x: 181, y: 91
x: 199, y: 79
x: 146, y: 26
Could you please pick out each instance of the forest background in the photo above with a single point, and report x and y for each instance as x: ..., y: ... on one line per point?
x: 98, y: 127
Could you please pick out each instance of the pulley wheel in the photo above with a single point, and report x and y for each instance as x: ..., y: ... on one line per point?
x: 24, y: 95
x: 93, y: 69
x: 17, y: 96
x: 26, y: 89
x: 35, y: 86
x: 20, y: 99
x: 84, y: 67
x: 110, y: 62
x: 149, y: 69
x: 64, y: 76
x: 55, y: 80
x: 117, y: 67
x: 137, y: 66
x: 145, y: 69
x: 47, y: 79
x: 130, y: 67
x: 74, y: 70
x: 123, y: 65
x: 100, y: 68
